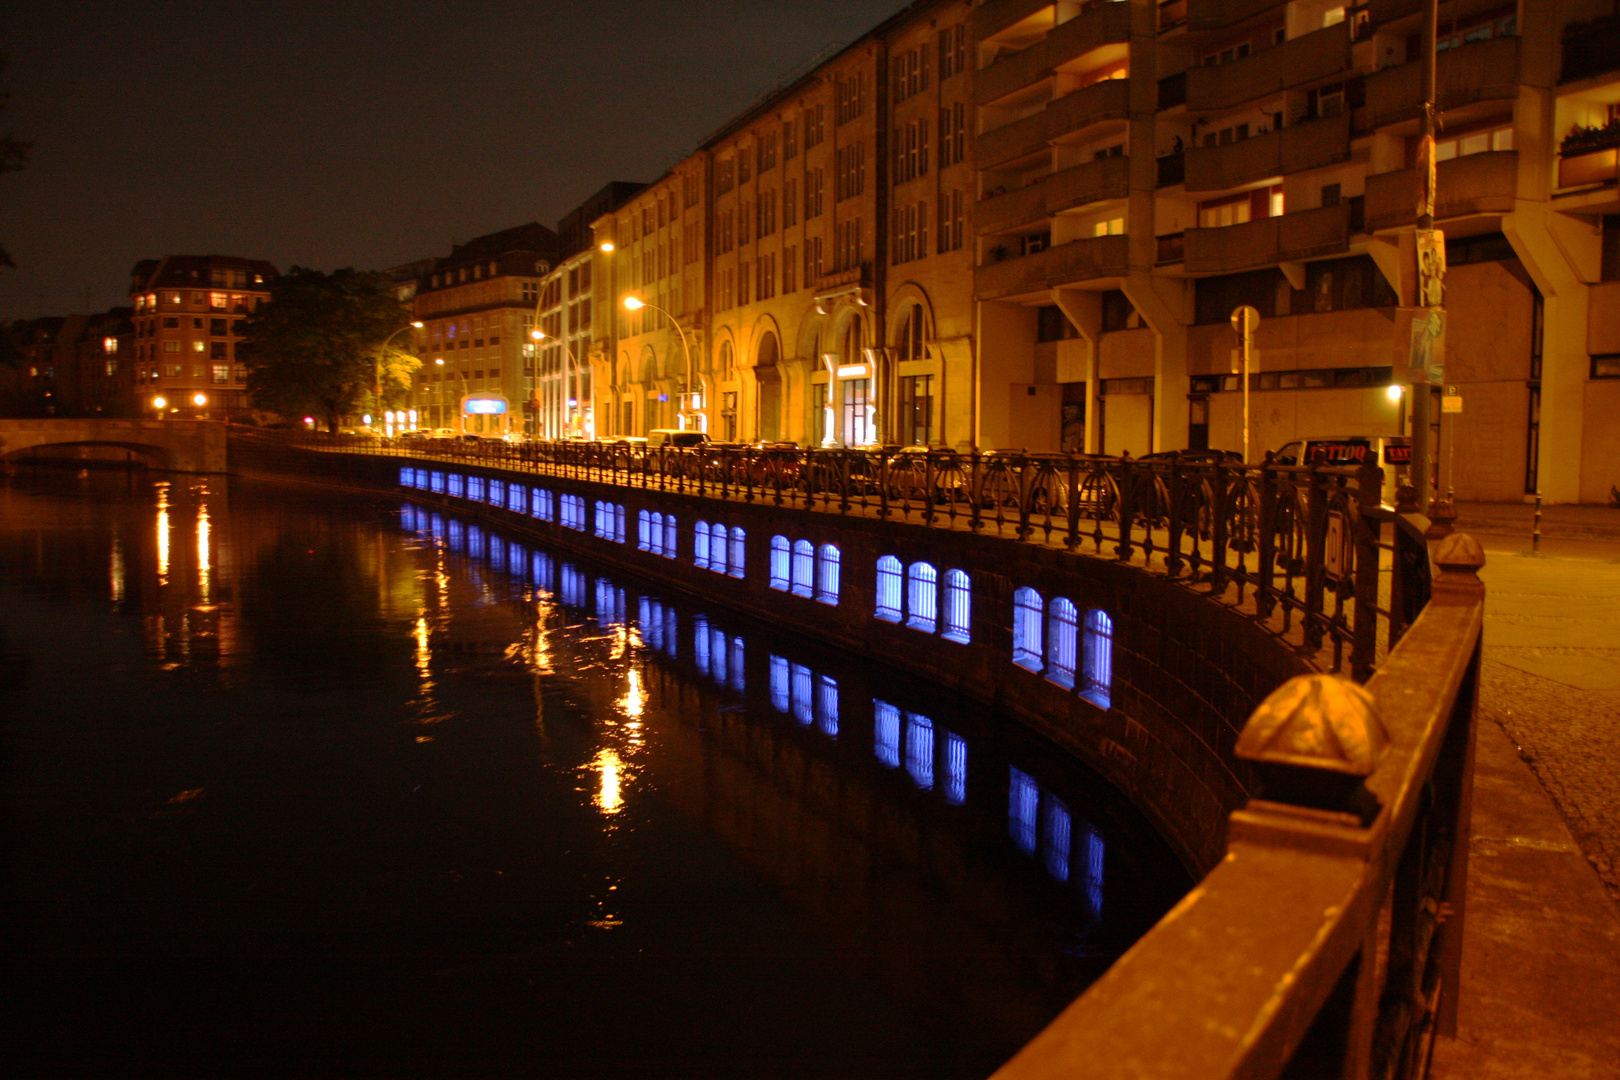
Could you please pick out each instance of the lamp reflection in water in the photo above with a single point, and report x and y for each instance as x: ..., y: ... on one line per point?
x: 203, y: 552
x: 609, y: 795
x: 115, y: 571
x: 162, y: 531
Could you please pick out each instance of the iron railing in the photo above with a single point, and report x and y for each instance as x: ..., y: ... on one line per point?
x: 1307, y: 551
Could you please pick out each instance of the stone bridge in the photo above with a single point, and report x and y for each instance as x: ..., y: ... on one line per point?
x: 194, y: 446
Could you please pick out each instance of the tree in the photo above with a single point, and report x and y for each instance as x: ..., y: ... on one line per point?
x: 13, y: 154
x: 327, y: 344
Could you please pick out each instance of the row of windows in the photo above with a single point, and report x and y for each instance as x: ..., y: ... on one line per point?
x: 1077, y: 653
x: 609, y: 521
x: 716, y: 548
x: 805, y: 570
x: 1050, y: 637
x: 655, y: 533
x: 910, y: 596
x: 929, y: 754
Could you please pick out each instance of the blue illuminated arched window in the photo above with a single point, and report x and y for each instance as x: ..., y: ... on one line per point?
x: 804, y: 568
x: 781, y: 562
x: 669, y: 551
x: 739, y: 551
x: 1099, y: 658
x: 922, y: 597
x: 1062, y: 642
x: 700, y: 544
x: 643, y: 540
x: 889, y: 576
x: 827, y: 574
x: 497, y: 492
x: 1027, y: 605
x: 655, y: 533
x: 958, y: 607
x: 717, y: 548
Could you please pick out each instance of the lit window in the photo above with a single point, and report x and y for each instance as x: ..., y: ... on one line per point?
x: 198, y: 346
x: 717, y: 549
x: 1063, y: 632
x: 739, y: 551
x: 643, y: 539
x: 922, y: 597
x: 109, y: 345
x: 827, y: 574
x: 781, y: 557
x: 221, y: 373
x: 219, y: 300
x: 958, y: 607
x: 1099, y: 657
x: 804, y: 566
x: 497, y: 493
x: 669, y: 551
x: 475, y: 488
x: 1027, y: 606
x: 888, y: 589
x: 700, y: 544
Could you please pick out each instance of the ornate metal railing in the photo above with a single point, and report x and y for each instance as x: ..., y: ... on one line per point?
x: 1308, y: 552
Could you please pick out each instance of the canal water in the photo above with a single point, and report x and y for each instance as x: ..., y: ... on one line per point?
x: 299, y: 784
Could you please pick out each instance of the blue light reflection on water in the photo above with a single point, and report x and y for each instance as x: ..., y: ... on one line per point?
x: 1040, y: 824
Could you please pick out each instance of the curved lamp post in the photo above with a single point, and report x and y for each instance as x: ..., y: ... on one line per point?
x: 467, y: 386
x: 632, y: 303
x: 376, y: 363
x: 573, y: 362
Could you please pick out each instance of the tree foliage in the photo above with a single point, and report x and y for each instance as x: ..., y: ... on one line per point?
x: 327, y: 345
x: 13, y: 155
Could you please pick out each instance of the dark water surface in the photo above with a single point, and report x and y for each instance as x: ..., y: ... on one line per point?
x: 300, y: 785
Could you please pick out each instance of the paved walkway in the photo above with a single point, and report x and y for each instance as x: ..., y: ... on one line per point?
x: 1541, y: 956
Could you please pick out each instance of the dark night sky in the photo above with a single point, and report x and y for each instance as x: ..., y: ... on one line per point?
x: 369, y: 133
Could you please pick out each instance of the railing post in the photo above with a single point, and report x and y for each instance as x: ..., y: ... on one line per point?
x: 1175, y: 491
x: 883, y: 487
x: 1367, y: 526
x: 1072, y: 541
x: 1315, y: 558
x: 1127, y: 508
x: 843, y: 482
x: 976, y: 492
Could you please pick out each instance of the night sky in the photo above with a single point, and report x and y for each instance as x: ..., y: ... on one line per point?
x: 355, y: 132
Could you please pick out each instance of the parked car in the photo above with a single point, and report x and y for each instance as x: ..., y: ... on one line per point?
x: 670, y: 437
x: 1392, y: 452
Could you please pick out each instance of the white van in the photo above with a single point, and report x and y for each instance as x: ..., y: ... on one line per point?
x: 1392, y: 452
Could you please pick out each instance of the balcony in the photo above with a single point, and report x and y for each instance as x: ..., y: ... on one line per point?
x: 1104, y: 24
x: 1591, y: 49
x: 1105, y: 178
x: 1306, y: 234
x: 1592, y: 167
x: 1219, y: 14
x: 1603, y: 318
x: 996, y: 15
x: 1309, y: 145
x: 1476, y: 184
x: 1100, y: 101
x: 1478, y: 71
x: 1080, y: 260
x: 1307, y: 58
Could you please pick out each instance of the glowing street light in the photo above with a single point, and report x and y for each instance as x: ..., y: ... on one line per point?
x: 605, y: 247
x: 199, y: 400
x: 160, y: 403
x: 634, y: 303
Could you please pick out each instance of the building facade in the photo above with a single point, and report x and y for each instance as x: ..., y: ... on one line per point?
x: 476, y: 307
x: 187, y: 313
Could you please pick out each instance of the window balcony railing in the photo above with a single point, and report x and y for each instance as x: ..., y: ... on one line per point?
x: 1172, y: 170
x: 1105, y: 24
x: 1105, y: 178
x: 1478, y: 71
x: 1476, y: 184
x: 1305, y: 234
x: 995, y: 16
x: 1109, y: 100
x: 1308, y: 58
x: 1219, y: 14
x: 1309, y: 145
x: 1591, y: 167
x: 1065, y: 264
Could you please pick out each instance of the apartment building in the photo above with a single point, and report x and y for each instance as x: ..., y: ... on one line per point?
x: 1145, y: 169
x: 477, y: 307
x: 188, y: 312
x: 558, y: 361
x: 71, y: 365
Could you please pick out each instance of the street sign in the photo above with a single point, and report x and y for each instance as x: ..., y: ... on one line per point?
x: 1451, y: 403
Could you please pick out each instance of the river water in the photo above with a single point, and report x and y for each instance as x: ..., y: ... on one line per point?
x: 299, y: 784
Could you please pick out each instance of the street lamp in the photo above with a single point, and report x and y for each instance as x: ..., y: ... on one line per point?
x: 376, y: 362
x: 632, y: 303
x: 160, y: 403
x: 463, y: 416
x: 568, y: 357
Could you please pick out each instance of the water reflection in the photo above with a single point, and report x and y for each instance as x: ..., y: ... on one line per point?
x: 615, y: 826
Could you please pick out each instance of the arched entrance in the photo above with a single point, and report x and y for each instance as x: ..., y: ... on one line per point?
x: 770, y: 387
